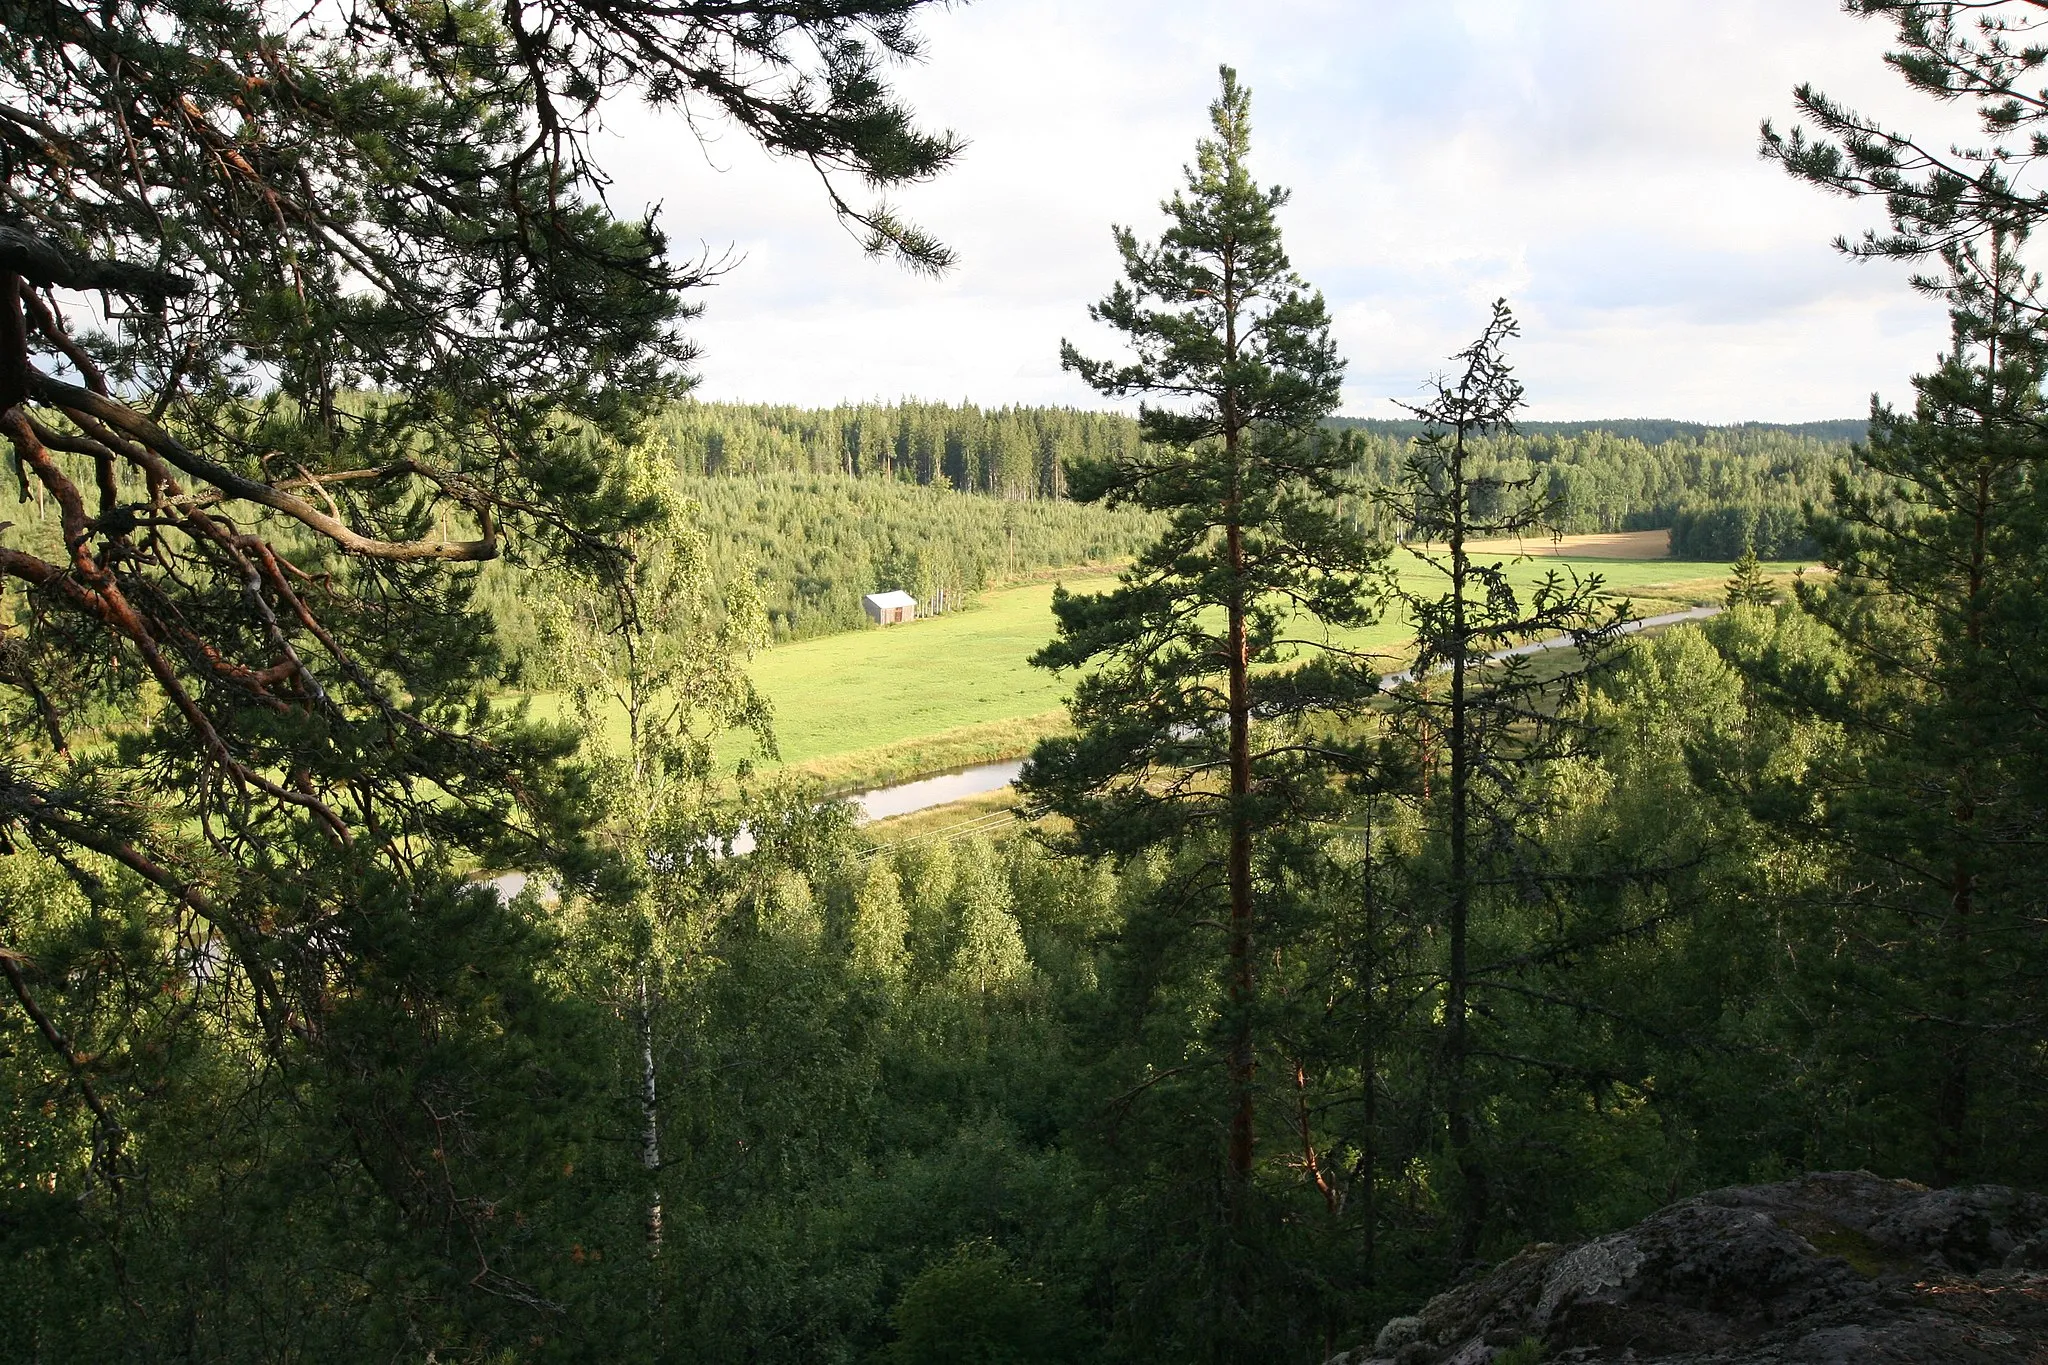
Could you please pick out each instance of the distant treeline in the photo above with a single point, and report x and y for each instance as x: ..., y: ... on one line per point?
x: 1716, y: 488
x: 822, y: 505
x: 1013, y: 453
x: 1649, y: 430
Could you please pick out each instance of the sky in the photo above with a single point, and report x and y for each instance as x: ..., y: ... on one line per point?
x: 1593, y: 161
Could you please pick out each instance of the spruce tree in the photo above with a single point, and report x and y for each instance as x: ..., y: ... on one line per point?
x: 1480, y: 716
x: 1747, y: 586
x: 1212, y: 679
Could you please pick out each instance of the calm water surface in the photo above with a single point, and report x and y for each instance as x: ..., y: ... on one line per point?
x: 926, y: 792
x: 906, y: 798
x: 881, y: 803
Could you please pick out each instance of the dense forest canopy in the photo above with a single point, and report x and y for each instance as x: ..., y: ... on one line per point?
x: 1716, y: 488
x: 1008, y: 452
x: 813, y: 544
x: 1299, y: 992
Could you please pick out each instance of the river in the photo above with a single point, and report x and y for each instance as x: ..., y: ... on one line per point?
x: 880, y: 803
x: 907, y: 798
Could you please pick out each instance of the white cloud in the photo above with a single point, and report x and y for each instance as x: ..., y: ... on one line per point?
x: 1593, y: 160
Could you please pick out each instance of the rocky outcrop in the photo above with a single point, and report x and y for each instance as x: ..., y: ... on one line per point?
x: 1838, y: 1269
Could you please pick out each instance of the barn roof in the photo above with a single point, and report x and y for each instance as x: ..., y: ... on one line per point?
x: 882, y: 601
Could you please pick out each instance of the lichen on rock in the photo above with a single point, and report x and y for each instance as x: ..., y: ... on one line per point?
x: 1827, y: 1270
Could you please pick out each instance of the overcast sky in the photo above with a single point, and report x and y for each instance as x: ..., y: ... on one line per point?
x: 1593, y: 160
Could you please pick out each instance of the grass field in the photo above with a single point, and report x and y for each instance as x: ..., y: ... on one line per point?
x: 881, y: 705
x: 875, y: 689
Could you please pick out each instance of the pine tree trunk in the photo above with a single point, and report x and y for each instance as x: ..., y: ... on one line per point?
x: 1365, y: 1174
x: 1241, y: 1061
x: 1952, y: 1098
x: 1952, y: 1095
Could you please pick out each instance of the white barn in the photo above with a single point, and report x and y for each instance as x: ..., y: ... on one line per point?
x: 889, y: 608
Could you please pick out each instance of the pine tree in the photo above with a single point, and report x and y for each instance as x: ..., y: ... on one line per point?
x: 376, y: 324
x: 1936, y: 803
x: 1946, y: 200
x: 1189, y: 737
x: 250, y: 537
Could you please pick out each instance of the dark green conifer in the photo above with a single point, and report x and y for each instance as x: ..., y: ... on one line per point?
x: 1482, y: 717
x: 1747, y: 586
x: 1934, y: 805
x: 1200, y: 725
x: 1935, y: 801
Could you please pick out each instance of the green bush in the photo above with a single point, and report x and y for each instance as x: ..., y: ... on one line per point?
x: 975, y: 1308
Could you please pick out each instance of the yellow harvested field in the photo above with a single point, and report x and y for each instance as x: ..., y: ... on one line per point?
x: 1603, y: 545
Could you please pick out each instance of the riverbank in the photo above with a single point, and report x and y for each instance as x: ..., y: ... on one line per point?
x: 957, y: 784
x: 948, y: 751
x: 871, y: 708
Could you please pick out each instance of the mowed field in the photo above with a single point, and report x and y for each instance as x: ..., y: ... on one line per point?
x: 885, y: 704
x: 890, y: 702
x: 867, y: 689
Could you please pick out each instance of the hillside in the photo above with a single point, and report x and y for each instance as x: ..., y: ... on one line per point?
x: 476, y: 887
x: 1715, y: 487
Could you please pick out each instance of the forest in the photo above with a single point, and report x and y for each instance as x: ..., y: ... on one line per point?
x: 1307, y: 982
x: 789, y: 501
x: 817, y: 542
x: 1716, y: 488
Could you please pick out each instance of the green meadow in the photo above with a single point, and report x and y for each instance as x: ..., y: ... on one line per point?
x: 883, y: 686
x: 882, y: 704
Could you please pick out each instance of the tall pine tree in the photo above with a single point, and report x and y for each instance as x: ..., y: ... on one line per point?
x: 1201, y: 721
x: 1934, y: 804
